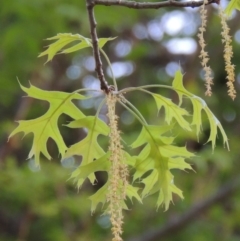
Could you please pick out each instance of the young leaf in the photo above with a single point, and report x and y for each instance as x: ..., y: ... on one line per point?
x: 178, y: 163
x: 233, y: 4
x: 85, y: 171
x: 177, y: 84
x: 155, y: 131
x: 100, y: 196
x: 172, y: 111
x: 103, y: 41
x: 46, y: 126
x: 214, y: 125
x: 102, y: 164
x: 63, y: 39
x: 199, y: 105
x: 159, y: 156
x: 88, y: 148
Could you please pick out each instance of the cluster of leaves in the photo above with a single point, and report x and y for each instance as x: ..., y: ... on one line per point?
x: 158, y: 155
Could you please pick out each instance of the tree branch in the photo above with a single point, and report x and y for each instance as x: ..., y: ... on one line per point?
x: 176, y: 224
x: 151, y: 5
x: 130, y: 4
x: 104, y: 85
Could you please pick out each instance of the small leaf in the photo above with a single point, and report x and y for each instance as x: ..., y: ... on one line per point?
x: 197, y: 102
x: 99, y: 197
x: 144, y: 163
x: 85, y: 171
x: 63, y: 39
x: 149, y: 182
x: 198, y: 105
x: 133, y: 192
x: 76, y: 47
x: 158, y: 157
x: 103, y: 41
x: 172, y: 111
x: 88, y: 148
x: 155, y: 131
x: 168, y: 196
x: 165, y: 197
x: 46, y: 126
x: 214, y: 124
x: 175, y: 151
x: 178, y: 86
x: 178, y: 163
x: 233, y: 4
x: 130, y: 160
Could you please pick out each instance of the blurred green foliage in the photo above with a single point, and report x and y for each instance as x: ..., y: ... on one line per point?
x: 42, y: 205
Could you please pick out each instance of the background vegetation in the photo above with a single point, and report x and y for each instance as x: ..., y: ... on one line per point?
x: 41, y: 205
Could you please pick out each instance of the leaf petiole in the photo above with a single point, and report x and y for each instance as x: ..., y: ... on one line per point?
x: 135, y: 113
x: 110, y: 66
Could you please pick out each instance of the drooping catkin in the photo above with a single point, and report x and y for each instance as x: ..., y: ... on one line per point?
x: 203, y: 53
x: 228, y: 54
x: 118, y: 172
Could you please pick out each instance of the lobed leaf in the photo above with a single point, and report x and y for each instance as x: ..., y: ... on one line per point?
x: 178, y: 163
x: 103, y: 41
x: 198, y: 105
x: 99, y: 197
x: 84, y: 171
x: 102, y: 164
x: 233, y: 4
x: 177, y: 84
x: 132, y: 192
x: 214, y: 125
x: 88, y: 148
x: 46, y: 126
x: 159, y: 156
x: 155, y: 131
x: 64, y: 39
x: 172, y: 111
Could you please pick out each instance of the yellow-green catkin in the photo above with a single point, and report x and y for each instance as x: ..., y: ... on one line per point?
x: 118, y: 172
x: 203, y: 54
x: 228, y: 54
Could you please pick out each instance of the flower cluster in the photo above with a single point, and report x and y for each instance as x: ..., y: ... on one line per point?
x: 228, y: 54
x: 203, y: 54
x: 118, y: 172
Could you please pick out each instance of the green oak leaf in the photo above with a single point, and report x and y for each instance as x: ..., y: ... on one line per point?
x: 172, y: 111
x: 102, y: 164
x: 88, y: 148
x: 63, y: 39
x: 85, y: 171
x: 159, y: 156
x: 46, y: 126
x: 198, y: 105
x: 214, y: 125
x: 100, y: 196
x: 177, y: 84
x: 233, y: 4
x: 178, y: 163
